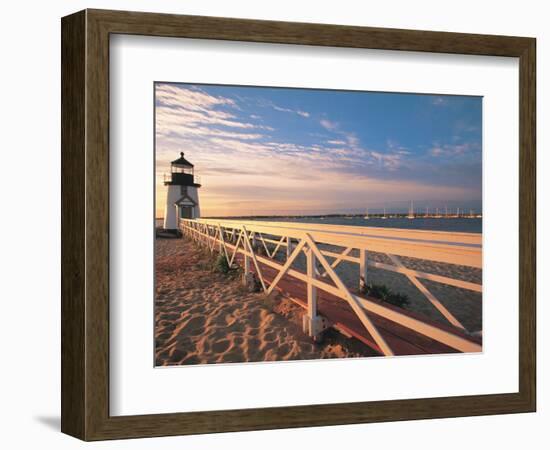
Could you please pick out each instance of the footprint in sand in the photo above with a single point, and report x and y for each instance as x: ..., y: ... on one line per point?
x: 220, y: 346
x: 283, y: 351
x: 168, y: 326
x: 199, y: 309
x: 194, y: 327
x: 162, y: 356
x: 170, y: 316
x: 162, y: 337
x: 191, y: 360
x: 270, y: 337
x: 252, y: 331
x: 253, y: 345
x: 177, y: 355
x: 236, y: 354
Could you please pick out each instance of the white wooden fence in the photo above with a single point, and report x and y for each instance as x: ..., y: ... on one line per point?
x: 232, y: 237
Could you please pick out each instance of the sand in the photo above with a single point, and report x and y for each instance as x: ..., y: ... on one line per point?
x: 204, y: 317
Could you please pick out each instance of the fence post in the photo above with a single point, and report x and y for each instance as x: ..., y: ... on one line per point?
x: 311, y: 289
x: 246, y: 266
x: 253, y: 240
x: 210, y: 239
x: 362, y: 269
x: 288, y: 247
x: 312, y: 324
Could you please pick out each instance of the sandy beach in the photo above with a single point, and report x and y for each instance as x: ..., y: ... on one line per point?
x: 204, y: 317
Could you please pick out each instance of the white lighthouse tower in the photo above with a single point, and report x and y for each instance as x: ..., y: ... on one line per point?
x: 182, y: 196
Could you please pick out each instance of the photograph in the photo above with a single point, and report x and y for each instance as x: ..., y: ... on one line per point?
x: 306, y: 224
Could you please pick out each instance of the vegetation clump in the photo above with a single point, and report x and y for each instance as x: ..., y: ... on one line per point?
x: 221, y: 265
x: 384, y: 293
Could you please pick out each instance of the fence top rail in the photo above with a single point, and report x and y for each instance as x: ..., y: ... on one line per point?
x: 447, y: 247
x: 428, y: 235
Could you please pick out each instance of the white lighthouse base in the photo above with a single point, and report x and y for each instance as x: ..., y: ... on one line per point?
x: 188, y: 197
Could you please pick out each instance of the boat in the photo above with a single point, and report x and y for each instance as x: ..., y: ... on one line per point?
x: 411, y: 211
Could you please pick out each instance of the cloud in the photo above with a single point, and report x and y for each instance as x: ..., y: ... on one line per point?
x: 181, y: 130
x: 454, y: 150
x: 182, y: 111
x: 328, y: 125
x: 192, y: 99
x: 396, y: 147
x: 352, y: 139
x: 464, y: 126
x: 287, y: 110
x: 181, y: 115
x: 390, y: 161
x: 439, y: 101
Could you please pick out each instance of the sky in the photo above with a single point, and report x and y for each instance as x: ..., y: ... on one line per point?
x: 283, y: 151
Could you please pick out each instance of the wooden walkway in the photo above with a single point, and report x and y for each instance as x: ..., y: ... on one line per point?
x: 385, y: 328
x: 403, y: 341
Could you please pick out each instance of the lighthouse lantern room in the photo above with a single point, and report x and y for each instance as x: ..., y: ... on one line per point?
x: 182, y: 197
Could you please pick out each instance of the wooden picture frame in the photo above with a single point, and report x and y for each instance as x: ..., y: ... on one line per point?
x: 85, y: 224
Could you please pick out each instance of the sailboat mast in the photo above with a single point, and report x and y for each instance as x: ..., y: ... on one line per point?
x: 411, y: 211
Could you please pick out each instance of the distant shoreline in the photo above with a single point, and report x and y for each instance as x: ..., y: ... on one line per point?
x: 362, y: 215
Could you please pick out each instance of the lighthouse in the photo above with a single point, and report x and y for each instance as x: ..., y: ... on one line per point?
x: 182, y: 196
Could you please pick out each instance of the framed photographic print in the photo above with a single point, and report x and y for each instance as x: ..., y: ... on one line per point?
x: 270, y: 225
